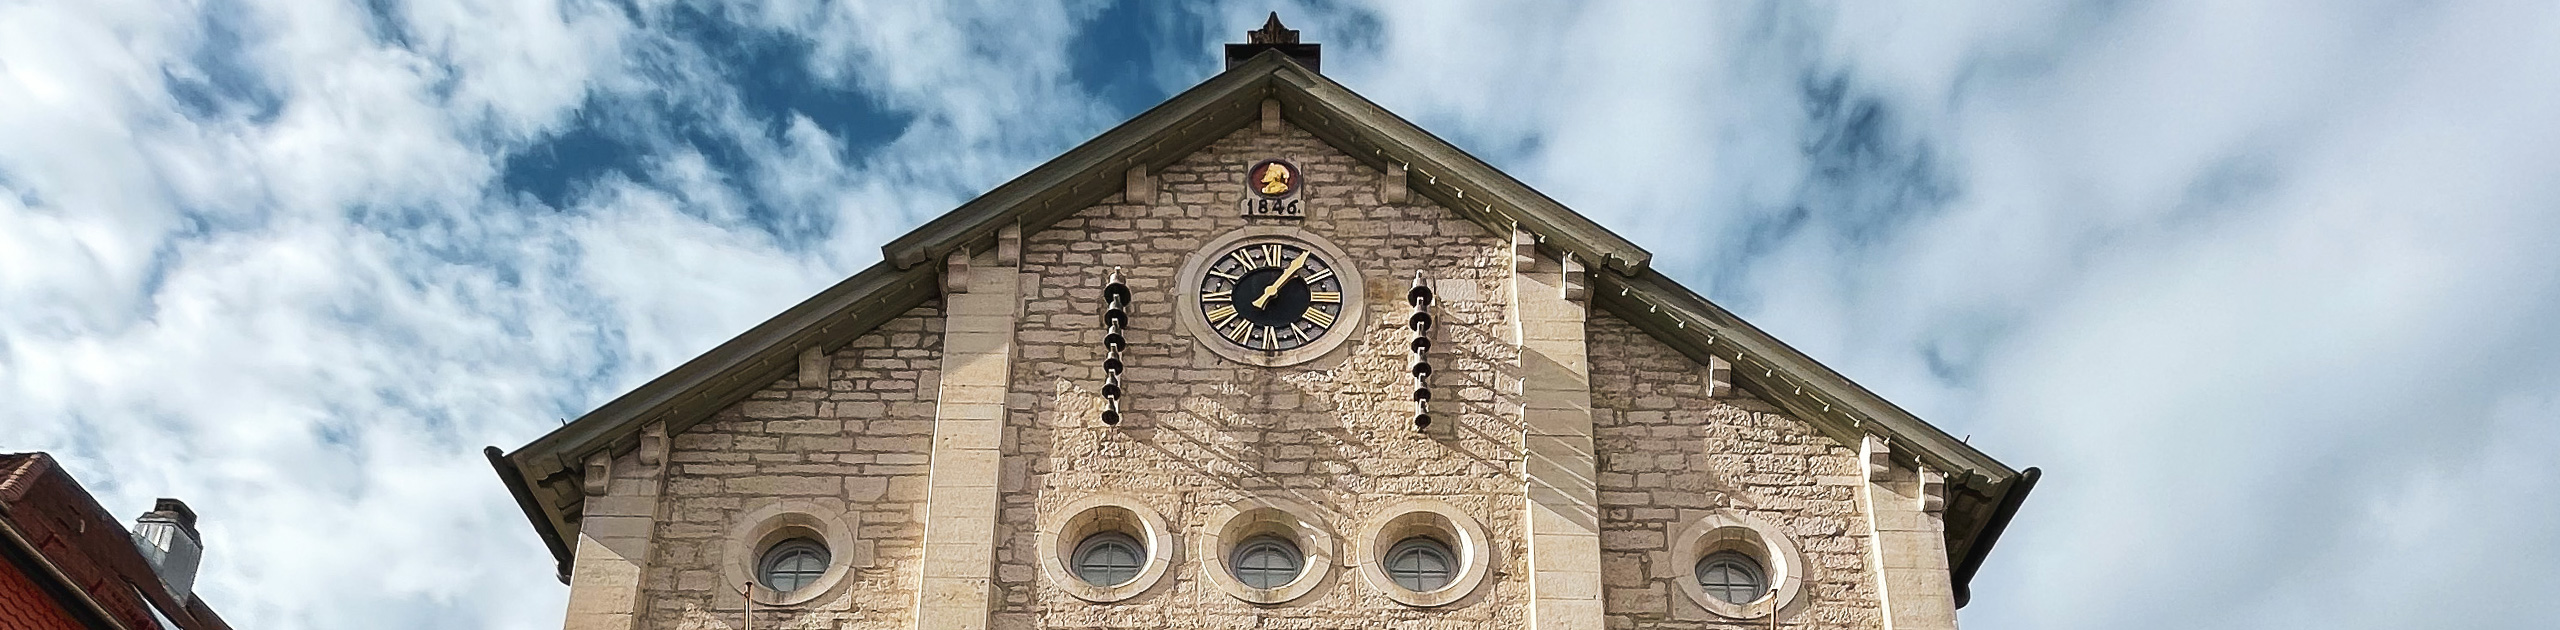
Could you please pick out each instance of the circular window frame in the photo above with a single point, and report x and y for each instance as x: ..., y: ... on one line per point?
x: 1092, y: 543
x: 1463, y: 534
x: 1423, y: 546
x: 758, y: 531
x: 1067, y: 528
x: 1781, y: 562
x: 1280, y: 546
x: 1734, y: 562
x: 1355, y: 292
x: 774, y: 555
x: 1229, y: 526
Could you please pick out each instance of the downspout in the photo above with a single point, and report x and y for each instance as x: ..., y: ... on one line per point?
x: 2000, y: 515
x: 514, y: 479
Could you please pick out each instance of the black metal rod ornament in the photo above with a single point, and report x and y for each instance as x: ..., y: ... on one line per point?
x: 1420, y: 322
x: 1115, y: 317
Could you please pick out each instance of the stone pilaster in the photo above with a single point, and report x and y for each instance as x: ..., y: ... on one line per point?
x: 1907, y: 550
x: 961, y: 499
x: 1563, y: 497
x: 620, y: 518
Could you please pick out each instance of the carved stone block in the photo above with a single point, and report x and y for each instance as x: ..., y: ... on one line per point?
x: 1140, y: 187
x: 1396, y: 187
x: 955, y: 273
x: 1009, y: 245
x: 599, y: 475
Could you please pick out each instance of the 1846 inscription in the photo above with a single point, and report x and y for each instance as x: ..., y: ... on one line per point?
x: 1273, y: 208
x: 1272, y: 190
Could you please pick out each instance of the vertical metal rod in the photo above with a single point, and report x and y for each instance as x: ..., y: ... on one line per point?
x: 1772, y: 608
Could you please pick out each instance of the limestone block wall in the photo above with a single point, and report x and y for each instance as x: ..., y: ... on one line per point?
x: 860, y: 441
x: 1203, y: 432
x: 1669, y: 453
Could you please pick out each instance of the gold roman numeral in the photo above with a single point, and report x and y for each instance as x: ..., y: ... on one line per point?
x: 1221, y: 314
x: 1218, y: 296
x: 1271, y: 252
x: 1236, y: 333
x: 1325, y: 297
x: 1319, y: 275
x: 1320, y: 318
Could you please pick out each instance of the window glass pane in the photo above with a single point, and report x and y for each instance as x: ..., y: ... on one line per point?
x: 1109, y: 559
x: 1419, y: 564
x: 1732, y: 577
x: 1266, y: 562
x: 793, y: 564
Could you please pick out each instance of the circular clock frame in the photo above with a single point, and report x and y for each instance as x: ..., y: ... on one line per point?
x: 1355, y: 291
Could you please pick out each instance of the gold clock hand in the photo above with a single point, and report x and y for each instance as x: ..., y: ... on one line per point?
x: 1274, y: 289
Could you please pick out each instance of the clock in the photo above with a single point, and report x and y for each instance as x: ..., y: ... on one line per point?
x: 1270, y: 296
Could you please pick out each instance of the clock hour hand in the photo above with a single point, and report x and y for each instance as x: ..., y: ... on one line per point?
x: 1274, y: 289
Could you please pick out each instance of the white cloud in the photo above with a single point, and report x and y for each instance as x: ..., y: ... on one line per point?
x: 2261, y: 285
x: 259, y: 258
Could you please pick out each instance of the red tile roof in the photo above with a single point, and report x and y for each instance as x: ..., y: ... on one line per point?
x: 52, y: 517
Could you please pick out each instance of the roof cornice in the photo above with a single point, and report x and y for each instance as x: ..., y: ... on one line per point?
x: 1447, y: 174
x: 1984, y: 493
x: 1091, y: 172
x: 1832, y: 402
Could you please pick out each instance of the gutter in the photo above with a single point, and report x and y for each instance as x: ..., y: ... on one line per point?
x: 24, y: 553
x: 2000, y: 515
x: 514, y: 479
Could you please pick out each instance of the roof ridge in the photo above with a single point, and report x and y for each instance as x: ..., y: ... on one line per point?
x: 21, y: 467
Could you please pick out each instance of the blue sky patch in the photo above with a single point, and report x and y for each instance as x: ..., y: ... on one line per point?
x: 220, y: 81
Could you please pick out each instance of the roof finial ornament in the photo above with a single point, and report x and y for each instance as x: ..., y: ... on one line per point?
x: 1272, y: 32
x: 1274, y: 36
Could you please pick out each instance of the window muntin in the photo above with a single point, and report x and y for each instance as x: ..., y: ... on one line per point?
x: 1109, y: 559
x: 1733, y: 577
x: 1267, y: 562
x: 1420, y: 564
x: 792, y: 564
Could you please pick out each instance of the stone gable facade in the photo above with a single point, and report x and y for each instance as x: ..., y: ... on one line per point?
x: 1205, y: 432
x: 934, y: 452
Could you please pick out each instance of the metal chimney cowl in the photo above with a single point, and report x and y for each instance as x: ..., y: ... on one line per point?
x: 167, y: 537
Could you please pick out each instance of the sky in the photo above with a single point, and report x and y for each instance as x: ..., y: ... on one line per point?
x: 2264, y: 287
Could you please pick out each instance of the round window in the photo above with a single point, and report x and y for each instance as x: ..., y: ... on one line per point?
x: 1109, y: 559
x: 1420, y: 564
x: 792, y: 564
x: 1732, y: 577
x: 1104, y: 548
x: 1267, y: 562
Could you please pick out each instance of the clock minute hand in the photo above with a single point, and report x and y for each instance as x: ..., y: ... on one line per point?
x: 1274, y: 289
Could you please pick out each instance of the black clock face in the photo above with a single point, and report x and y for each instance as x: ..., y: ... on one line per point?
x: 1271, y: 296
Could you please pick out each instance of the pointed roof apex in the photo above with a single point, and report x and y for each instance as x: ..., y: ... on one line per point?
x: 1272, y: 32
x: 1274, y: 36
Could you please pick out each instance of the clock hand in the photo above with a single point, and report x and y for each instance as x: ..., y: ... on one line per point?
x: 1274, y: 289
